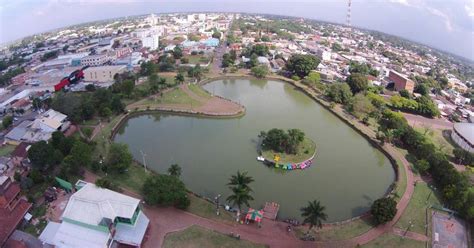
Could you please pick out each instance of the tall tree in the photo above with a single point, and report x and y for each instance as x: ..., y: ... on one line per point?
x: 301, y: 65
x: 174, y: 170
x: 313, y: 214
x: 358, y: 82
x: 239, y: 185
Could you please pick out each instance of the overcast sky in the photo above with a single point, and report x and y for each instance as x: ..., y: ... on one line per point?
x: 445, y: 24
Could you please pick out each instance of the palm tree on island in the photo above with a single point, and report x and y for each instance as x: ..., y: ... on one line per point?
x: 313, y: 214
x: 239, y: 185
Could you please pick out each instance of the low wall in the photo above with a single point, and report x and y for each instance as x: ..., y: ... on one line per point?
x: 375, y: 143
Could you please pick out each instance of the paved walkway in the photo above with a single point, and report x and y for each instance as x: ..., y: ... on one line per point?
x: 273, y: 233
x: 410, y: 235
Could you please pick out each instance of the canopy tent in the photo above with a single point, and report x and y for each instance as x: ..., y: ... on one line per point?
x: 64, y: 184
x: 255, y: 215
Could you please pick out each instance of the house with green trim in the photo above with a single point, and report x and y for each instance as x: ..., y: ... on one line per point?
x: 98, y: 217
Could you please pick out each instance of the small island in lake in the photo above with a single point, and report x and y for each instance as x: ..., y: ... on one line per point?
x: 291, y: 146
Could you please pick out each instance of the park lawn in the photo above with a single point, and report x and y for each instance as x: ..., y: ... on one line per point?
x: 196, y: 236
x: 344, y: 231
x: 87, y: 131
x: 102, y: 138
x: 196, y: 89
x: 393, y: 241
x: 402, y: 181
x: 178, y: 96
x: 438, y: 139
x: 207, y: 210
x: 416, y: 209
x: 6, y: 150
x: 196, y: 59
x: 91, y: 122
x: 305, y: 150
x: 132, y: 180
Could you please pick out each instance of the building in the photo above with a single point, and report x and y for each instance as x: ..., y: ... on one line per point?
x: 97, y: 217
x: 122, y: 52
x: 13, y: 208
x: 463, y: 135
x: 151, y: 42
x: 103, y: 74
x: 95, y: 60
x: 401, y: 82
x: 39, y: 129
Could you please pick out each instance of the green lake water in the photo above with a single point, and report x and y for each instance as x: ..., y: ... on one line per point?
x: 347, y: 175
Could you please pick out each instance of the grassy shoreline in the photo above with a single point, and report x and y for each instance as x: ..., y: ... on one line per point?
x: 305, y: 151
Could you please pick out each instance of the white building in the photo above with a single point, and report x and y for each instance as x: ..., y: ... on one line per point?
x: 97, y: 217
x: 103, y: 74
x: 95, y: 60
x: 151, y: 42
x: 463, y: 135
x: 202, y: 17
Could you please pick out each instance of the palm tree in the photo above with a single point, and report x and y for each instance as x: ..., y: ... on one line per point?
x: 313, y: 214
x: 240, y: 180
x: 174, y: 170
x: 239, y: 185
x: 240, y: 196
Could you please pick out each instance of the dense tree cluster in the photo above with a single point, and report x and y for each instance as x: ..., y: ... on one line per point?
x: 260, y: 71
x: 383, y: 210
x: 280, y: 141
x: 165, y: 190
x: 358, y: 82
x: 364, y: 68
x: 7, y: 76
x: 339, y: 93
x: 50, y: 55
x: 422, y: 105
x: 454, y: 187
x: 301, y: 65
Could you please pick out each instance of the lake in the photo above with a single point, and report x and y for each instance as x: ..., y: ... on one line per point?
x: 347, y: 174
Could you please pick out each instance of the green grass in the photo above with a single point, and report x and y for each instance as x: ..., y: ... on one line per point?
x: 196, y: 236
x: 345, y: 231
x: 437, y: 138
x: 305, y: 150
x: 207, y: 210
x: 91, y: 122
x: 196, y: 89
x: 393, y: 241
x: 102, y: 138
x: 132, y: 180
x: 416, y: 209
x: 402, y: 182
x: 6, y: 150
x: 177, y: 96
x: 87, y: 131
x: 196, y: 59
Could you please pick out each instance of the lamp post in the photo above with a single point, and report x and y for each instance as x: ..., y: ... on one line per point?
x: 410, y: 224
x: 144, y: 161
x: 216, y: 200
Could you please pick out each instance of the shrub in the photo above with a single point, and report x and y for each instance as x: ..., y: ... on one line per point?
x: 384, y: 210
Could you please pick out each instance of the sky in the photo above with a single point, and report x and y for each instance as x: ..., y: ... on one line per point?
x: 444, y: 24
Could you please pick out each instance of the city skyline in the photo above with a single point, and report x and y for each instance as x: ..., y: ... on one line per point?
x: 454, y: 19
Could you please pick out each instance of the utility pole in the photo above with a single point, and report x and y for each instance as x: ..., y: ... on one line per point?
x: 144, y: 161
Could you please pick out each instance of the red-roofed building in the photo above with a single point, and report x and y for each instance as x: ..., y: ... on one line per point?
x: 401, y: 82
x: 12, y: 207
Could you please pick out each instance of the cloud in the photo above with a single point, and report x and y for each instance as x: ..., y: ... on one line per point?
x: 444, y: 16
x: 469, y: 10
